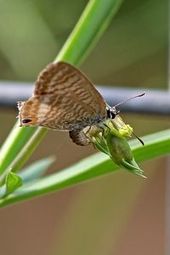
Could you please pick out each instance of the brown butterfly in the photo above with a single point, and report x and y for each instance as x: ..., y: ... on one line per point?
x: 64, y: 99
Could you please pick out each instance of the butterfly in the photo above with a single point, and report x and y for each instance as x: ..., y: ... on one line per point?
x: 64, y: 99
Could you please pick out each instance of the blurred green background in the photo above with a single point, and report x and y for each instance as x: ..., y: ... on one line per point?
x: 117, y: 214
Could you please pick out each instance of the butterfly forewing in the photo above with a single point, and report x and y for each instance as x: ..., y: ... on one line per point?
x: 63, y: 99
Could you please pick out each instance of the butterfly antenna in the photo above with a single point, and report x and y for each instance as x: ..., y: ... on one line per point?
x: 126, y: 100
x: 139, y: 139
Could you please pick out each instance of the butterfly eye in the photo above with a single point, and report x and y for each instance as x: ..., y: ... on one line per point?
x: 24, y: 121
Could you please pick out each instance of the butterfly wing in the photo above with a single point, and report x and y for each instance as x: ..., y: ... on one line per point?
x: 63, y: 99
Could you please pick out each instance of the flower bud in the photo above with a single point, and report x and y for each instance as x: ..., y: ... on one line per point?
x: 120, y: 152
x: 111, y: 139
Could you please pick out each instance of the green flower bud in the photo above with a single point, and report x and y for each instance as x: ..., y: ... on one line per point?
x: 111, y: 139
x: 120, y: 152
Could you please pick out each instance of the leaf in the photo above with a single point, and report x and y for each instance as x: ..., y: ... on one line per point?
x: 36, y: 170
x: 12, y: 182
x: 96, y: 165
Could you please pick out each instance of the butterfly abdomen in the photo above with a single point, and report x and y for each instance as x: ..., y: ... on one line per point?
x: 79, y: 137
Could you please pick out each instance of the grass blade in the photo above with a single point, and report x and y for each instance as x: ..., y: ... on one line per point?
x: 99, y: 164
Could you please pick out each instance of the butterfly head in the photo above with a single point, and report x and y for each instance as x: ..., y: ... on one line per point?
x: 111, y: 112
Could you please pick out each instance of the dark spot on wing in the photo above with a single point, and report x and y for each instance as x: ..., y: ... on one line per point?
x: 26, y: 121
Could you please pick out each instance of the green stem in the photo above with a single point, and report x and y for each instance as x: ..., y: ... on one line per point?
x: 24, y: 154
x: 155, y: 145
x: 13, y: 145
x: 92, y: 24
